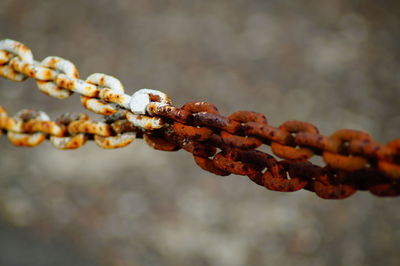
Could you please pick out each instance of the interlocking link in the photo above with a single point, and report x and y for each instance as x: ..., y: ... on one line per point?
x: 221, y: 145
x: 59, y: 78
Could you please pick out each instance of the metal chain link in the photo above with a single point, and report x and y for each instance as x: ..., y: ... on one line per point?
x: 59, y: 78
x: 221, y: 145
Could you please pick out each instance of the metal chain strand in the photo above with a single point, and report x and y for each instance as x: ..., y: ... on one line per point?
x: 221, y: 145
x: 71, y: 131
x: 59, y: 78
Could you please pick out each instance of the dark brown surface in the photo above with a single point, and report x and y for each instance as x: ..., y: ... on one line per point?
x: 331, y: 63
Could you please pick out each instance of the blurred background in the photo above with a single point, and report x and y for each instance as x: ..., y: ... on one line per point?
x: 333, y: 63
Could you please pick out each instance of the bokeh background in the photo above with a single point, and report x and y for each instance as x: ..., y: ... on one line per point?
x: 333, y: 63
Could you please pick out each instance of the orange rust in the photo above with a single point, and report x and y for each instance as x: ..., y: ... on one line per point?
x: 154, y: 98
x: 109, y: 95
x: 257, y: 178
x: 5, y: 57
x: 340, y: 191
x: 343, y: 137
x: 2, y: 111
x: 8, y: 72
x: 353, y: 160
x: 53, y: 90
x: 390, y: 169
x: 114, y: 142
x: 105, y: 142
x: 390, y: 151
x: 394, y: 145
x: 314, y: 140
x: 228, y: 163
x: 84, y: 101
x: 193, y: 133
x: 364, y: 147
x: 293, y: 152
x: 385, y: 190
x: 208, y: 165
x: 67, y: 118
x: 48, y: 75
x: 199, y: 149
x: 247, y: 116
x: 90, y: 127
x: 282, y: 184
x: 171, y: 112
x: 69, y: 143
x: 331, y: 186
x: 28, y: 114
x: 239, y: 141
x: 53, y: 62
x: 148, y: 126
x: 122, y: 126
x: 160, y: 143
x: 48, y: 127
x: 22, y: 47
x: 275, y: 178
x: 20, y: 67
x: 267, y: 132
x: 262, y: 160
x: 216, y: 121
x: 98, y: 106
x: 26, y: 140
x: 197, y: 107
x: 344, y: 162
x: 243, y: 142
x: 390, y: 159
x: 240, y: 158
x: 7, y: 123
x: 73, y: 144
x: 65, y: 83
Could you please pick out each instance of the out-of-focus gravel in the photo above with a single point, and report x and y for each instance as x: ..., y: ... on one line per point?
x: 333, y: 63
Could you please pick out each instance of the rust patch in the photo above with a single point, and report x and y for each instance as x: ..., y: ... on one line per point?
x: 159, y: 143
x: 208, y: 165
x: 344, y: 162
x: 239, y: 141
x: 154, y: 98
x: 192, y: 133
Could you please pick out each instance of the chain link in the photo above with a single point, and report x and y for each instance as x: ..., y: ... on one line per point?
x: 221, y: 145
x: 59, y: 78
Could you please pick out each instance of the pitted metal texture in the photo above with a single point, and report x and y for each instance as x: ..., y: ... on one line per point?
x: 221, y: 145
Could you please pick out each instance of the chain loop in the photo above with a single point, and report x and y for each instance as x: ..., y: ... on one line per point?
x: 59, y: 78
x: 72, y: 141
x: 58, y: 67
x: 221, y: 145
x: 390, y: 159
x: 293, y: 152
x: 22, y: 118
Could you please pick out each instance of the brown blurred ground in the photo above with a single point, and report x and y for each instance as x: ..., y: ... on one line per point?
x: 333, y: 63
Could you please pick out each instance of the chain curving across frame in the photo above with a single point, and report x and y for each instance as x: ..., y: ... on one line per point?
x: 221, y: 145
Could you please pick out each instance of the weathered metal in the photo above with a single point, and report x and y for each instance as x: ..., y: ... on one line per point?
x: 221, y: 145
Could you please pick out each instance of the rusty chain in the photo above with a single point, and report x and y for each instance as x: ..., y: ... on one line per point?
x: 221, y: 145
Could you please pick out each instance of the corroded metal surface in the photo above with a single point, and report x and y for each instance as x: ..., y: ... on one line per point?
x: 221, y: 145
x: 59, y: 78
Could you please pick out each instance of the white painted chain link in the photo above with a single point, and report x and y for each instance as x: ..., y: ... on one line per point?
x: 100, y: 93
